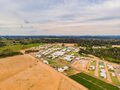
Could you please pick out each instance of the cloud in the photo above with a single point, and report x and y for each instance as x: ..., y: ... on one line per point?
x: 48, y: 16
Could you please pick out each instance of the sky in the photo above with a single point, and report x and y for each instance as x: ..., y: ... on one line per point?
x: 59, y: 17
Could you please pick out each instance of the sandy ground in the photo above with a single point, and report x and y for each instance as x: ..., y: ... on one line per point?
x: 79, y: 66
x: 76, y: 65
x: 25, y: 73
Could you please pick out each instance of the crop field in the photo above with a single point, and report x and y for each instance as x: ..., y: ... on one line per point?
x: 92, y: 83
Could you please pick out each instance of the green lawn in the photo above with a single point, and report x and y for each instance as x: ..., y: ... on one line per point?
x: 92, y: 83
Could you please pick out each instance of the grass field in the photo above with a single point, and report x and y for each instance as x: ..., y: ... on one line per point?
x: 11, y: 50
x: 18, y: 47
x: 92, y: 83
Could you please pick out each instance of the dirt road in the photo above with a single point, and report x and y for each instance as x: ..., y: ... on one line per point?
x: 108, y: 74
x: 26, y: 73
x: 97, y: 66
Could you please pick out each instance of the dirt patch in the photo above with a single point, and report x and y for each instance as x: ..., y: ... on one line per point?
x: 25, y: 73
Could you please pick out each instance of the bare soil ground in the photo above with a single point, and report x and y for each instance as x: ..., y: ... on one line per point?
x: 97, y: 67
x: 108, y: 75
x: 26, y: 73
x: 79, y: 66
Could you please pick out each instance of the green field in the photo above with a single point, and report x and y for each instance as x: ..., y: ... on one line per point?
x: 11, y: 50
x: 18, y: 47
x: 92, y: 83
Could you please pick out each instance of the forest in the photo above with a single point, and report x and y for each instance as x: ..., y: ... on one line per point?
x: 109, y: 54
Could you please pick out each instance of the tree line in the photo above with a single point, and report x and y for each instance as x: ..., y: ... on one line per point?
x: 109, y: 54
x: 80, y: 42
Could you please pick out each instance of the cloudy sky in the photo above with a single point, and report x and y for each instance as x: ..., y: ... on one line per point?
x: 59, y: 17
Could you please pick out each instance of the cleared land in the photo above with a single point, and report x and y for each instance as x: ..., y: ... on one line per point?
x: 92, y: 83
x: 24, y: 72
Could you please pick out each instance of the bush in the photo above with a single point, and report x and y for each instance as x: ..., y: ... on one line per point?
x: 9, y: 52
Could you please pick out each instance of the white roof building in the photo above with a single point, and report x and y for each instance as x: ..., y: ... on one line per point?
x: 66, y: 67
x: 102, y: 74
x: 45, y: 61
x: 38, y: 55
x: 110, y: 67
x: 63, y: 69
x: 92, y: 67
x: 101, y: 66
x: 103, y: 70
x: 60, y: 70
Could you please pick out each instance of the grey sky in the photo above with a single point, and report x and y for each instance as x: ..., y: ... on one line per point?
x: 60, y: 17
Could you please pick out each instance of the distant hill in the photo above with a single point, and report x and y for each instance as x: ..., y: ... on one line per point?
x: 71, y: 37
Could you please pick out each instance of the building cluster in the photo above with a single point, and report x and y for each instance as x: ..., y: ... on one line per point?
x: 69, y: 57
x: 61, y: 52
x: 52, y: 52
x: 110, y: 67
x: 111, y: 70
x: 46, y: 51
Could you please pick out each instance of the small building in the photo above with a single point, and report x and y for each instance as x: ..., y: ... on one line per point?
x: 102, y: 74
x: 60, y: 70
x: 92, y: 67
x: 103, y: 70
x: 38, y: 55
x: 65, y: 67
x: 101, y: 66
x: 110, y: 67
x: 45, y: 61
